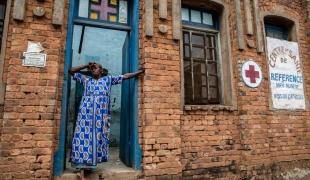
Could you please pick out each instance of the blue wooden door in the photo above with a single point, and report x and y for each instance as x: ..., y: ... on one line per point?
x: 125, y: 120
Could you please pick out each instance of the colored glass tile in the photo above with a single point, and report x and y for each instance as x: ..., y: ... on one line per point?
x: 96, y: 1
x: 94, y: 15
x: 123, y: 11
x: 112, y: 18
x: 84, y: 8
x: 207, y: 19
x: 113, y: 2
x: 105, y: 10
x: 185, y: 14
x: 195, y: 16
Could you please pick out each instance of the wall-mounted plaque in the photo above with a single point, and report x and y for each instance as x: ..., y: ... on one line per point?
x: 251, y: 74
x: 34, y: 59
x: 285, y: 74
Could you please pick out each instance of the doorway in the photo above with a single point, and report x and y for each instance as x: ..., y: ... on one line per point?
x: 107, y: 47
x: 111, y: 39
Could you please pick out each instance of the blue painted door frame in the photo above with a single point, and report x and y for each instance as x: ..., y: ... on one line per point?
x: 124, y: 144
x: 135, y: 150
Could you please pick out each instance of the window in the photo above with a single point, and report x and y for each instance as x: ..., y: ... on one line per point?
x: 275, y: 31
x: 2, y: 18
x: 279, y: 27
x: 115, y: 11
x: 200, y: 59
x: 207, y: 81
x: 200, y: 67
x: 199, y: 18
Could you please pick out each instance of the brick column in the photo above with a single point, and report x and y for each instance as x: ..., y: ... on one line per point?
x: 161, y: 142
x: 31, y: 96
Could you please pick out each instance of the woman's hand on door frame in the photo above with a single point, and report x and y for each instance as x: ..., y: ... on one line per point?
x: 134, y: 74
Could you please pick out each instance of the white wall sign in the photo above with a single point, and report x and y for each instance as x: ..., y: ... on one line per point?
x: 285, y: 74
x: 34, y: 59
x: 251, y: 74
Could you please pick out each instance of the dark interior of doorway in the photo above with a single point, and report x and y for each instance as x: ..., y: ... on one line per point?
x: 114, y: 162
x: 90, y: 44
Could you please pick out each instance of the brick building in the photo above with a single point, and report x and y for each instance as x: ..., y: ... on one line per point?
x: 190, y: 116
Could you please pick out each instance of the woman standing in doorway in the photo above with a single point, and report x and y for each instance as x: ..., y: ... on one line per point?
x: 90, y: 140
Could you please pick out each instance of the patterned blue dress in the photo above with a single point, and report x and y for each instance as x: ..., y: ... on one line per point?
x: 90, y: 141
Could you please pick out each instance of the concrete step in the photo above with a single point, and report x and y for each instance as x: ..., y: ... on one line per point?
x: 74, y: 176
x: 119, y: 175
x: 67, y: 176
x: 102, y: 175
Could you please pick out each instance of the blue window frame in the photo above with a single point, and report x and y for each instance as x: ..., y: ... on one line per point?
x: 202, y: 18
x: 276, y: 31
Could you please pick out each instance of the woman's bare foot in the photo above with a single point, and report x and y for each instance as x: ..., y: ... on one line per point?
x: 81, y: 175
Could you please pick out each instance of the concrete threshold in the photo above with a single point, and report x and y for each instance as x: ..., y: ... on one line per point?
x: 114, y: 169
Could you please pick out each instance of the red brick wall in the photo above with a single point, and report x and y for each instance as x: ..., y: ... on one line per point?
x: 215, y: 143
x: 160, y: 116
x: 31, y: 97
x: 248, y: 141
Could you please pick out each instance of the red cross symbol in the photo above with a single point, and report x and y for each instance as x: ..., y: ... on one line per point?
x: 252, y: 74
x: 104, y: 9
